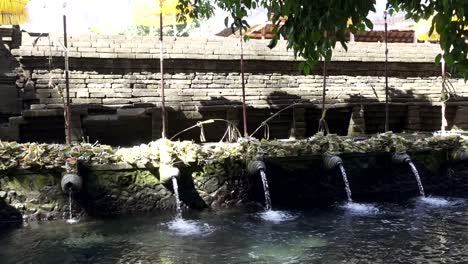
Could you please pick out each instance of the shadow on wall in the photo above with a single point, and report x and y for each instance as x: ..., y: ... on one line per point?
x: 118, y: 127
x: 187, y: 191
x: 408, y: 112
x: 278, y: 127
x: 372, y: 178
x: 215, y: 108
x: 223, y: 108
x: 140, y: 124
x: 9, y: 216
x: 8, y: 62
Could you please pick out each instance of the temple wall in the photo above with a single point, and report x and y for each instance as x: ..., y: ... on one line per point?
x: 202, y: 81
x: 115, y: 190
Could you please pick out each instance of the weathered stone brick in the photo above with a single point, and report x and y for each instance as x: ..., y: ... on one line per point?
x: 97, y: 95
x: 82, y: 94
x: 119, y: 95
x: 144, y: 93
x: 87, y: 101
x: 115, y: 101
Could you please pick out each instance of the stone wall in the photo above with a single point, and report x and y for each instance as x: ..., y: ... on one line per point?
x: 202, y: 81
x: 295, y: 182
x: 302, y: 182
x: 116, y: 190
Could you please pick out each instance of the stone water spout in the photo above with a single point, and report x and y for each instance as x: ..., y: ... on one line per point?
x: 258, y: 167
x: 401, y: 158
x: 330, y: 162
x: 255, y: 166
x: 404, y: 158
x: 459, y: 155
x: 168, y: 172
x: 71, y: 183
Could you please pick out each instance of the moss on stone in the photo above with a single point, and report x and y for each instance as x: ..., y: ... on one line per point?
x: 28, y: 182
x: 144, y: 177
x: 125, y: 178
x: 432, y: 160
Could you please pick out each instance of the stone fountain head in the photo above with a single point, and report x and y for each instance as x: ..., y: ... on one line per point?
x: 401, y: 158
x: 254, y: 166
x: 71, y: 182
x: 331, y: 161
x: 167, y: 172
x: 459, y: 155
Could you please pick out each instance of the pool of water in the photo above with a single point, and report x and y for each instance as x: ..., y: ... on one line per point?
x: 421, y: 231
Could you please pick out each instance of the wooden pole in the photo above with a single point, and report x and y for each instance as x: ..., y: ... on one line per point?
x: 244, y: 107
x: 67, y: 84
x: 161, y: 67
x: 386, y: 76
x: 324, y: 90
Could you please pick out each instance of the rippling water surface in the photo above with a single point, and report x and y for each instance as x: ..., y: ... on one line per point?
x: 419, y: 232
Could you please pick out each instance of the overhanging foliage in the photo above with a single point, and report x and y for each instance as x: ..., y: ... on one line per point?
x: 314, y: 27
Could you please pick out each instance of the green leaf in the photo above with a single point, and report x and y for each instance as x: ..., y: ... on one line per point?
x: 273, y: 43
x: 438, y: 58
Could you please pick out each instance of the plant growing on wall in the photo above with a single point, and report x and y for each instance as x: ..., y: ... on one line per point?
x: 54, y: 156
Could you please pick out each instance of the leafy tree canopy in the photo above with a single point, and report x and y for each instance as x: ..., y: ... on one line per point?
x: 314, y: 27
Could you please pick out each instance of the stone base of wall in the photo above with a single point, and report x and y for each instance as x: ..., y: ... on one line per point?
x: 295, y: 182
x: 302, y: 182
x: 113, y: 191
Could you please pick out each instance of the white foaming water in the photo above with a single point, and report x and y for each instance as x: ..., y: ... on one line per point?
x: 436, y: 201
x: 70, y: 219
x: 418, y: 179
x: 184, y: 227
x: 189, y: 227
x: 175, y: 186
x: 266, y: 190
x: 360, y: 208
x: 345, y: 179
x: 277, y: 216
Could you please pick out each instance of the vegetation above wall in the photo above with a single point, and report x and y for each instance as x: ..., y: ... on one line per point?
x: 54, y: 156
x: 312, y: 30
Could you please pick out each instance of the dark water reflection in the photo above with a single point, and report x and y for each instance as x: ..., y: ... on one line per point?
x: 413, y: 233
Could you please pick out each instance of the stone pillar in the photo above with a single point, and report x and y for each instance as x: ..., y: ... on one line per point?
x: 77, y: 134
x: 413, y: 121
x: 11, y: 132
x: 156, y: 123
x: 233, y: 115
x: 298, y: 124
x: 357, y: 123
x: 9, y: 101
x: 461, y: 118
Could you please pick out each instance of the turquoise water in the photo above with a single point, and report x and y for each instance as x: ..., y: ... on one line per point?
x: 421, y: 231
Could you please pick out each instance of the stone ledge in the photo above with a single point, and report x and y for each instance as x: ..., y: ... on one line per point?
x: 220, y: 49
x: 110, y: 167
